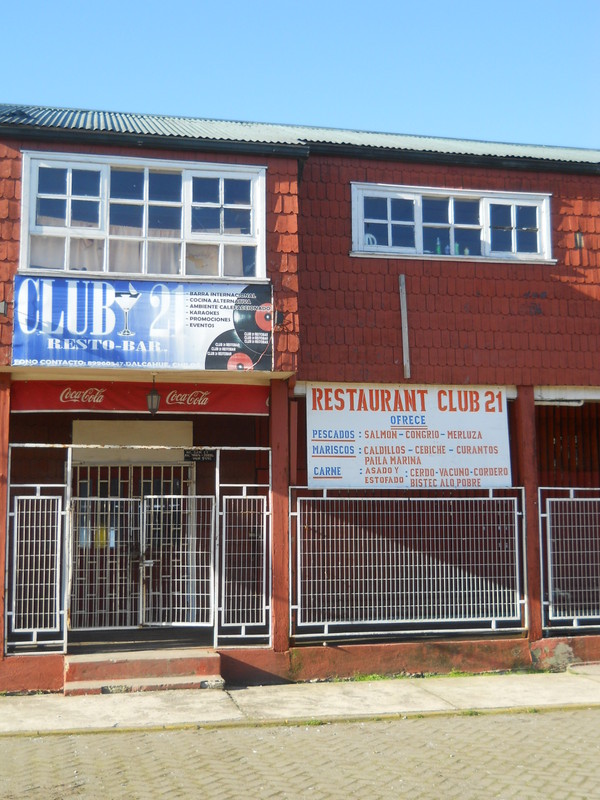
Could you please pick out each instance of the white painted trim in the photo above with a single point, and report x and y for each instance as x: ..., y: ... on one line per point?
x: 555, y: 395
x: 34, y: 159
x: 485, y: 198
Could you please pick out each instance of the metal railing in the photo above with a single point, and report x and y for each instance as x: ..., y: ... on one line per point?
x: 36, y: 563
x: 244, y: 561
x: 570, y: 557
x: 372, y: 565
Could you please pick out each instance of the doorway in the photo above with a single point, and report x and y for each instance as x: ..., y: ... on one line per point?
x: 178, y: 546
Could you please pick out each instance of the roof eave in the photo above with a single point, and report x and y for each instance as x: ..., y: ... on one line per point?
x: 524, y: 163
x: 294, y: 150
x: 153, y: 141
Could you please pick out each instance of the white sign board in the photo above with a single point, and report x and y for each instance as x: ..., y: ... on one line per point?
x: 407, y: 437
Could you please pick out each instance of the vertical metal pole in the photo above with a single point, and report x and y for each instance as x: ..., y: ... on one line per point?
x: 68, y: 545
x: 404, y: 323
x: 216, y: 534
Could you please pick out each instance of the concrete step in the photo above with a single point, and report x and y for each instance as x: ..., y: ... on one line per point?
x: 124, y: 685
x: 173, y: 668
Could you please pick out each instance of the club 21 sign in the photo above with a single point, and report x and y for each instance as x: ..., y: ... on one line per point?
x: 77, y: 322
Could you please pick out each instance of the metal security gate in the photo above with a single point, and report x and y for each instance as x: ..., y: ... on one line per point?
x: 142, y: 562
x: 139, y: 555
x: 570, y: 552
x: 374, y: 566
x: 133, y: 546
x: 35, y: 600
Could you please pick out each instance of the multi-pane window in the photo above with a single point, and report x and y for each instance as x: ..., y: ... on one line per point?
x: 407, y: 220
x: 155, y: 218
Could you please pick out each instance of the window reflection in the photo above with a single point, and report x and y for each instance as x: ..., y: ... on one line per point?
x: 376, y: 208
x: 85, y: 213
x: 52, y: 180
x: 164, y: 221
x: 165, y: 186
x: 236, y: 192
x: 51, y: 212
x: 127, y: 184
x: 205, y: 190
x: 85, y: 183
x: 126, y: 220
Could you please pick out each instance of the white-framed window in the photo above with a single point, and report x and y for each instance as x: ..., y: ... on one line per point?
x: 408, y: 220
x: 142, y: 217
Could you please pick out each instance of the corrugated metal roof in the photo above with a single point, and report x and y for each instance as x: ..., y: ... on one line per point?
x: 253, y: 133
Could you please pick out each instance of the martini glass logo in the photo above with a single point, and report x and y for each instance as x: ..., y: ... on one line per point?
x: 126, y: 301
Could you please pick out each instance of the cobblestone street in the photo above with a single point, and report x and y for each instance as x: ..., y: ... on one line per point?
x: 513, y: 755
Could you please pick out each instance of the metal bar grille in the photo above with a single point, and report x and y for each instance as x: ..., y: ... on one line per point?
x: 105, y: 551
x: 36, y: 552
x: 177, y: 560
x: 244, y: 561
x: 573, y: 554
x: 373, y: 561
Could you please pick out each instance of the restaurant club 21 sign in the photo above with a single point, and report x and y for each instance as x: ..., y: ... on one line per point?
x: 132, y: 324
x: 407, y: 437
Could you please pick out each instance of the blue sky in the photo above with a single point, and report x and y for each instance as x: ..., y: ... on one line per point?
x: 520, y: 71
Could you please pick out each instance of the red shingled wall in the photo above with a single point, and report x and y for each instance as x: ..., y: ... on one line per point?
x: 281, y: 222
x: 10, y: 214
x: 478, y: 323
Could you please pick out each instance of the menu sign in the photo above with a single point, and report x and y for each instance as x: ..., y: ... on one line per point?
x: 407, y: 437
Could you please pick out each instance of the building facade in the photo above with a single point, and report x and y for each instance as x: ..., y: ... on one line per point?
x: 269, y: 388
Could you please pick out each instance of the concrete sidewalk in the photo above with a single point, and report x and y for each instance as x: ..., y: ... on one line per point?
x: 296, y: 703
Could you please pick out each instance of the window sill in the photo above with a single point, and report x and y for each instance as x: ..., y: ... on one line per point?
x: 450, y: 258
x: 135, y: 276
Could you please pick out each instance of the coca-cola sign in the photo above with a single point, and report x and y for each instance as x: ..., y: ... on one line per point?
x: 94, y: 394
x: 125, y: 396
x: 195, y: 398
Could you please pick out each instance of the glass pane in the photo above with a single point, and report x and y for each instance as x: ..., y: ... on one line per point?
x: 206, y: 220
x: 127, y: 184
x: 239, y: 261
x: 376, y: 234
x: 124, y: 256
x: 163, y: 258
x: 436, y: 240
x: 467, y: 242
x: 236, y: 221
x: 376, y: 208
x: 501, y: 240
x: 466, y: 212
x: 165, y: 186
x: 51, y: 212
x: 205, y: 190
x: 527, y: 217
x: 86, y: 254
x: 85, y: 183
x: 164, y: 221
x: 500, y: 216
x: 85, y: 213
x: 527, y: 242
x: 403, y: 210
x: 47, y: 252
x: 202, y: 259
x: 435, y: 210
x: 52, y: 180
x: 236, y: 192
x: 403, y: 236
x: 126, y: 220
